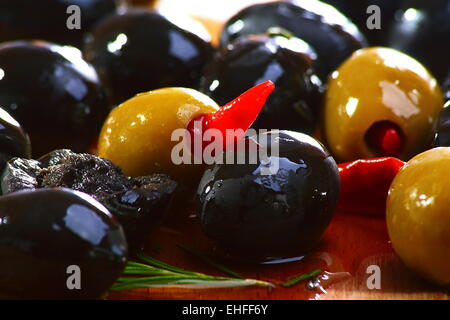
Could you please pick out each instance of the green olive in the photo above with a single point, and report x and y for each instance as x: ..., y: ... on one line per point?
x: 136, y: 136
x: 418, y: 215
x: 380, y: 85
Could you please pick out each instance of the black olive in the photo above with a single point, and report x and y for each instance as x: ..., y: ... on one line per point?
x: 14, y: 141
x: 255, y: 216
x: 296, y: 101
x: 53, y: 93
x: 142, y: 207
x: 442, y: 137
x: 422, y: 31
x: 139, y: 211
x: 330, y: 33
x: 357, y: 12
x: 139, y: 204
x: 141, y: 50
x: 47, y: 19
x: 45, y: 232
x: 446, y: 87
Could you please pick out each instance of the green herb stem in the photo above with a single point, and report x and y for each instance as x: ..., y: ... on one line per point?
x: 297, y: 279
x: 163, y: 265
x: 207, y: 260
x: 162, y: 274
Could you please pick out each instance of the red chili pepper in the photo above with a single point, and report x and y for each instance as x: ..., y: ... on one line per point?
x: 237, y: 114
x: 365, y: 184
x: 387, y: 138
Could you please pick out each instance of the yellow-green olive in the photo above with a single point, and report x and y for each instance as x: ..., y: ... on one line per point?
x: 375, y: 86
x: 418, y: 214
x: 136, y: 136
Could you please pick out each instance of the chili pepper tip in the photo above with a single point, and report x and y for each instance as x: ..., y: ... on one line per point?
x: 240, y: 113
x: 387, y: 139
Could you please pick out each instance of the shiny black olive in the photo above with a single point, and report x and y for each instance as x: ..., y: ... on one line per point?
x: 296, y: 101
x: 330, y: 33
x: 442, y: 137
x: 423, y: 32
x: 259, y: 216
x: 446, y: 87
x: 139, y: 204
x: 47, y: 19
x: 142, y: 208
x: 53, y: 93
x: 45, y: 232
x: 357, y: 12
x: 141, y: 50
x: 14, y: 141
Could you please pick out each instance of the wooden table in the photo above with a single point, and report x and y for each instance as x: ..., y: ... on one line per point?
x: 349, y: 246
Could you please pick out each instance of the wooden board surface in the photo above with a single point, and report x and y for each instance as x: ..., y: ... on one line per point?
x: 350, y: 244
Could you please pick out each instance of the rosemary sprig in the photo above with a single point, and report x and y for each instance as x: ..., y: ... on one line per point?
x: 157, y: 263
x: 159, y: 273
x: 207, y: 260
x: 300, y: 278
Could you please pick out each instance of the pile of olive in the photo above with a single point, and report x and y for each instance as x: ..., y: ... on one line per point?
x: 48, y: 231
x: 249, y: 214
x: 139, y: 204
x: 293, y: 44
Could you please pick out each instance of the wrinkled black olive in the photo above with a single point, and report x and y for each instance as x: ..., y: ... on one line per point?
x: 357, y: 12
x: 423, y: 32
x: 139, y: 204
x: 142, y: 50
x: 44, y: 232
x: 295, y: 103
x: 142, y: 208
x: 47, y: 19
x: 53, y: 93
x: 14, y: 141
x: 330, y: 33
x: 255, y: 216
x: 442, y: 137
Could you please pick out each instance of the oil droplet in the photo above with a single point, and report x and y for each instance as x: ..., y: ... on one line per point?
x: 326, y: 279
